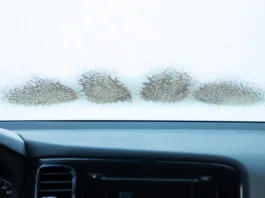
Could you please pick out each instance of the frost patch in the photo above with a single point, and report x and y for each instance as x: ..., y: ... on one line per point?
x: 168, y: 86
x: 39, y: 91
x: 229, y: 92
x: 102, y: 89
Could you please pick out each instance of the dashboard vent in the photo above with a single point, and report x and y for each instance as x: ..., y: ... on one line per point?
x: 55, y: 181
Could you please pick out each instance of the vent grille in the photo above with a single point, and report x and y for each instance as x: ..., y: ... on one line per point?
x: 55, y: 181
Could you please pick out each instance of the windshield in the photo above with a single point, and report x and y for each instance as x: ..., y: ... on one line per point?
x: 132, y: 60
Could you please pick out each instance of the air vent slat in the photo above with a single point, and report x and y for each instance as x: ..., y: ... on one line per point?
x: 56, y: 181
x: 64, y: 173
x: 57, y: 190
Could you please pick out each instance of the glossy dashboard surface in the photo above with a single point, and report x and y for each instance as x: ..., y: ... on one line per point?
x: 238, y: 144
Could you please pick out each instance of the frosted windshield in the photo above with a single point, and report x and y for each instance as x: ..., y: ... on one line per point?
x: 132, y: 60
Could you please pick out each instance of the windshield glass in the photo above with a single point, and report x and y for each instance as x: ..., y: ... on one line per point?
x: 132, y: 60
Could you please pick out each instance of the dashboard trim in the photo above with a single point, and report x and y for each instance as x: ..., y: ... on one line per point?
x: 135, y: 160
x: 12, y: 141
x: 62, y: 161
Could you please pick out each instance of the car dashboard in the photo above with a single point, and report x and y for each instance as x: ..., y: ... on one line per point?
x: 131, y: 159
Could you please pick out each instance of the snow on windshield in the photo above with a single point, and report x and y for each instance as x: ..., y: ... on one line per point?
x: 139, y: 60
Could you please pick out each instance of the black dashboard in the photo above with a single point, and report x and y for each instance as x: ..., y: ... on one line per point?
x: 132, y: 159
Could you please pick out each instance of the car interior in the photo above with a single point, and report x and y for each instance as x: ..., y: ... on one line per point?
x: 131, y: 159
x: 132, y: 99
